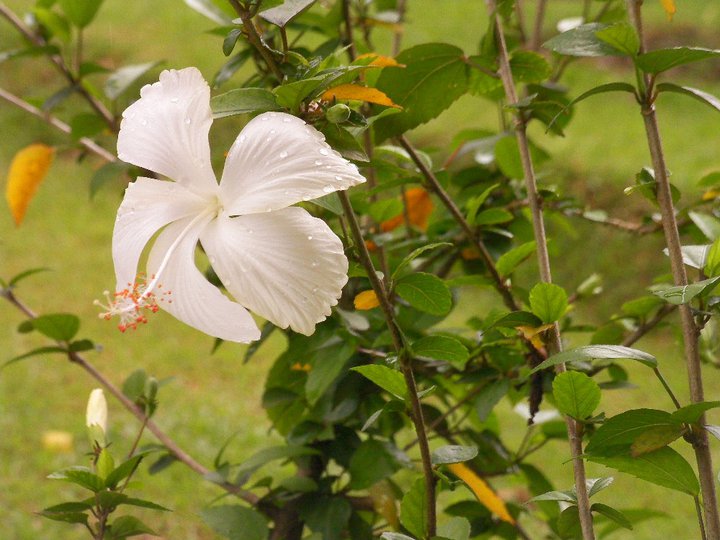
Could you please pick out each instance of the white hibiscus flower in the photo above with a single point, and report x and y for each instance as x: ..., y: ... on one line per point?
x: 275, y: 259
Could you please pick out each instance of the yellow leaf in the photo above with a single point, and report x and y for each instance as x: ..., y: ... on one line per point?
x: 482, y: 491
x: 534, y: 335
x: 27, y: 170
x: 357, y: 93
x: 383, y: 499
x: 669, y: 7
x: 419, y: 207
x: 366, y: 300
x: 710, y: 195
x: 380, y: 60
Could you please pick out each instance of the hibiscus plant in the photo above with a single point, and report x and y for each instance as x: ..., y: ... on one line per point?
x: 412, y: 284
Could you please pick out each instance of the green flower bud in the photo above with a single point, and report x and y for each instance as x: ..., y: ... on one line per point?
x: 338, y: 113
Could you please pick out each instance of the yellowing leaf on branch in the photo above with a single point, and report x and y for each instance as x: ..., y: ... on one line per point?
x: 482, y: 491
x: 27, y: 171
x: 419, y: 207
x: 669, y: 7
x: 380, y: 60
x: 366, y: 300
x: 356, y: 92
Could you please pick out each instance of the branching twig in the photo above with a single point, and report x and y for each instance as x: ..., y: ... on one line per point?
x: 255, y: 40
x: 61, y: 66
x: 690, y: 330
x: 56, y: 123
x: 405, y: 361
x: 574, y: 433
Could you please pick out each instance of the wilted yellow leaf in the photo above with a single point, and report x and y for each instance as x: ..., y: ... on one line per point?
x: 366, y: 300
x: 482, y: 491
x: 534, y: 334
x: 27, y: 170
x: 384, y: 502
x: 358, y: 93
x: 57, y: 441
x: 380, y: 60
x: 669, y: 7
x: 419, y: 207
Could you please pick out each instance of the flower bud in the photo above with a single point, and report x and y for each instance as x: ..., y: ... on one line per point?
x: 338, y: 113
x: 96, y: 415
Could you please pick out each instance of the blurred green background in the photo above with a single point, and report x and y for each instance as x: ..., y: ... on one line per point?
x: 213, y: 396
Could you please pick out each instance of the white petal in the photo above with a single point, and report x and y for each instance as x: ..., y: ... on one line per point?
x: 166, y: 130
x: 148, y: 205
x: 287, y: 266
x: 192, y: 298
x: 279, y: 160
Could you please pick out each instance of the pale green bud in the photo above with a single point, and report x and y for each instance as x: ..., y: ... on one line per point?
x: 96, y: 416
x: 338, y: 113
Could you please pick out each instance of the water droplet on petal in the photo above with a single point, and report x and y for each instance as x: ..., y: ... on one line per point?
x: 283, y: 154
x: 328, y: 189
x: 318, y: 162
x: 338, y: 178
x: 268, y: 209
x: 286, y: 120
x: 249, y: 231
x: 188, y: 121
x: 314, y: 264
x: 174, y: 100
x: 306, y: 197
x: 143, y: 122
x: 310, y: 237
x: 242, y: 138
x: 273, y: 132
x: 324, y: 152
x: 213, y: 260
x: 315, y: 289
x: 268, y: 139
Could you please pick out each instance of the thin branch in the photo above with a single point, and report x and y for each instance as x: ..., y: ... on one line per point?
x: 690, y: 331
x: 538, y: 27
x: 256, y: 41
x: 61, y: 66
x: 401, y: 10
x: 648, y: 325
x: 161, y: 436
x: 348, y: 38
x: 56, y: 123
x: 434, y: 185
x: 573, y: 428
x: 405, y: 361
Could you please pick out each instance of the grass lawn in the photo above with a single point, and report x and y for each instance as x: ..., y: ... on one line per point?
x: 213, y: 396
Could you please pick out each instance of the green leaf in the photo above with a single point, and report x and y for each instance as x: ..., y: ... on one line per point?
x: 395, y: 536
x: 105, y: 464
x: 86, y: 125
x: 385, y: 209
x: 623, y: 429
x: 455, y: 528
x: 55, y: 24
x: 272, y: 453
x: 327, y: 516
x: 25, y: 274
x: 660, y: 60
x: 210, y: 10
x: 134, y: 385
x: 474, y: 204
x: 67, y: 507
x: 122, y: 471
x: 121, y: 79
x: 711, y: 262
x: 493, y: 216
x: 664, y: 467
x: 560, y: 496
x: 82, y: 476
x: 242, y: 101
x: 507, y: 157
x: 58, y: 326
x: 582, y: 41
x: 621, y: 36
x: 413, y: 511
x: 80, y: 12
x: 654, y: 438
x: 453, y: 454
x: 699, y: 95
x: 576, y: 394
x: 601, y: 89
x: 67, y: 517
x: 490, y: 396
x: 615, y: 515
x: 386, y: 378
x: 709, y: 225
x: 442, y: 348
x: 510, y: 260
x: 596, y: 485
x: 126, y: 526
x: 568, y: 523
x: 548, y: 301
x: 434, y: 76
x: 529, y: 67
x: 231, y: 40
x: 415, y: 254
x: 371, y: 462
x: 425, y: 292
x: 283, y: 14
x: 290, y: 95
x: 691, y: 414
x: 589, y: 353
x: 35, y: 352
x: 344, y: 142
x: 106, y: 174
x: 236, y: 522
x: 684, y: 294
x: 517, y: 318
x: 327, y: 364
